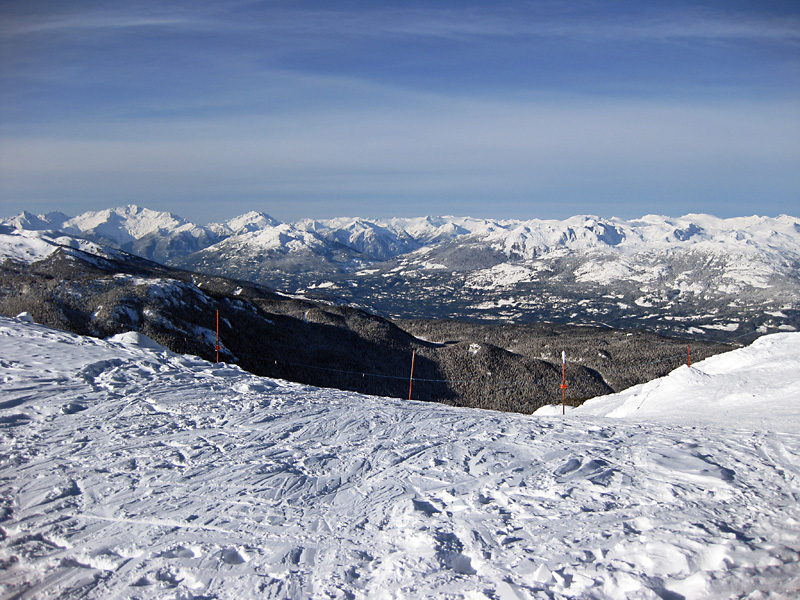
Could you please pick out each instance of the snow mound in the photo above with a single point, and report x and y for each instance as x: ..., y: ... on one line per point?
x: 134, y: 339
x: 553, y: 410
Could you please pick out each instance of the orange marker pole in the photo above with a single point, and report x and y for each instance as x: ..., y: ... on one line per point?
x: 689, y: 358
x: 411, y: 379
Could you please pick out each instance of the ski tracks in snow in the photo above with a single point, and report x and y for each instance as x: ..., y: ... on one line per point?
x: 134, y: 474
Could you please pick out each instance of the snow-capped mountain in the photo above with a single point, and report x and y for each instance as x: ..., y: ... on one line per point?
x: 689, y: 275
x: 154, y: 235
x: 127, y: 471
x: 246, y: 223
x: 695, y: 274
x: 727, y: 278
x: 29, y: 222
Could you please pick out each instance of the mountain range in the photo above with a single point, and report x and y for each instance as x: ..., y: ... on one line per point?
x: 87, y: 288
x: 696, y: 275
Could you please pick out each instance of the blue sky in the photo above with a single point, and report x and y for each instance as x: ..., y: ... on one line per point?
x: 376, y: 109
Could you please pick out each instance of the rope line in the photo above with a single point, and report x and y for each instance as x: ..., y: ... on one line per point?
x: 604, y: 375
x: 620, y: 371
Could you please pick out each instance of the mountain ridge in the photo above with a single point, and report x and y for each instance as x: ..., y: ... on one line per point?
x: 519, y: 238
x: 690, y: 275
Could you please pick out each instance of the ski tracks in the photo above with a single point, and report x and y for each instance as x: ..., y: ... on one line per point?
x: 146, y: 475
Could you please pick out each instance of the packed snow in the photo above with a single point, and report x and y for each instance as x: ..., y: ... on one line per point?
x: 127, y: 471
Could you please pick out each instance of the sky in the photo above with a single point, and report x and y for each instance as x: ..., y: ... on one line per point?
x: 542, y: 109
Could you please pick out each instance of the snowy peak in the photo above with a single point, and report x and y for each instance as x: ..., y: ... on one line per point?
x: 530, y: 239
x: 370, y: 238
x: 29, y: 222
x: 118, y: 226
x: 434, y: 230
x: 246, y: 223
x: 283, y: 237
x: 257, y: 233
x: 125, y: 224
x: 700, y: 228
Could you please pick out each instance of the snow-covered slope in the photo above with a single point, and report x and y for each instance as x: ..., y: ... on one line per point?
x: 130, y: 472
x: 25, y: 246
x: 30, y: 246
x: 729, y: 388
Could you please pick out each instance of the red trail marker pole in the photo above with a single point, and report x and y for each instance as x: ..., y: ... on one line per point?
x: 689, y: 357
x: 563, y: 382
x: 411, y: 379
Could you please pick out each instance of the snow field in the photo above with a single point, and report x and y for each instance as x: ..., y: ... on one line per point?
x: 127, y: 471
x: 756, y: 388
x: 24, y: 248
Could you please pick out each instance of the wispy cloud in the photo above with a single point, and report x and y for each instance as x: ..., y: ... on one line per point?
x: 678, y: 25
x: 700, y: 27
x: 458, y: 22
x: 87, y: 21
x: 472, y: 23
x: 476, y: 23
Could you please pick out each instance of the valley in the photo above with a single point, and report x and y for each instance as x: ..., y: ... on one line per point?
x: 696, y: 276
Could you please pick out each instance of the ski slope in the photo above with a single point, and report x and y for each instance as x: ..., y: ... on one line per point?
x: 127, y: 471
x: 757, y: 388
